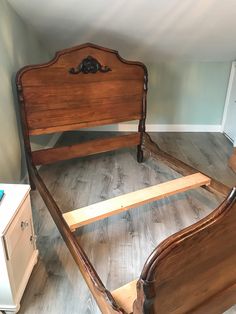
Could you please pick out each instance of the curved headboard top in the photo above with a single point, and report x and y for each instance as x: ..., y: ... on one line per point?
x: 83, y: 86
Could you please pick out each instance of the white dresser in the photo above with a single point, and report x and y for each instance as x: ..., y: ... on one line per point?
x: 18, y: 253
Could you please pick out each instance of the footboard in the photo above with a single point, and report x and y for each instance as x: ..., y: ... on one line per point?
x: 193, y: 271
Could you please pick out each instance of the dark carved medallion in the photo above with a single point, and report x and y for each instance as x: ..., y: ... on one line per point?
x: 89, y: 65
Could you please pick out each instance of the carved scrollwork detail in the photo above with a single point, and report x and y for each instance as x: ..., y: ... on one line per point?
x: 89, y: 65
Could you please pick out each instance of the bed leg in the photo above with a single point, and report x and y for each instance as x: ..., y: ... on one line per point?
x: 139, y: 154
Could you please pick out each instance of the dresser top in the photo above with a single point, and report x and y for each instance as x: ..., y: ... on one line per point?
x: 15, y: 194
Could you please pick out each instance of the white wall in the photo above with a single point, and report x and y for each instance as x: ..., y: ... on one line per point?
x: 148, y: 30
x: 18, y: 47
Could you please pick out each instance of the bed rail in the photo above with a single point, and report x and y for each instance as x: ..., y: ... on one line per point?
x: 51, y: 155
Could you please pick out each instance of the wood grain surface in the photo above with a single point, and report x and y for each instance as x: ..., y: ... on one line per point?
x: 192, y: 266
x: 126, y: 295
x: 86, y: 215
x: 50, y: 155
x: 56, y: 100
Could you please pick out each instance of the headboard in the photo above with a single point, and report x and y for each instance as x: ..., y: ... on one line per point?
x: 83, y: 86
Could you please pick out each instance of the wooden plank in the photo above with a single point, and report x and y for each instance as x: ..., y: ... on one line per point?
x: 50, y: 155
x: 94, y: 212
x: 125, y: 296
x: 82, y: 124
x: 82, y: 105
x: 61, y: 117
x: 78, y: 93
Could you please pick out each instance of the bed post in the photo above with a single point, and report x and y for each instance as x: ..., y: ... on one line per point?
x: 27, y: 147
x: 141, y: 126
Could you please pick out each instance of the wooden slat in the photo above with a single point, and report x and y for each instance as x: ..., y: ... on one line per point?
x: 94, y: 212
x: 70, y: 116
x: 125, y: 296
x: 50, y: 155
x: 67, y: 93
x: 82, y: 124
x: 38, y: 106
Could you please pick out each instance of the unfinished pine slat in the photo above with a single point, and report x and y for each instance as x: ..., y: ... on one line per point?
x: 125, y: 296
x: 86, y: 215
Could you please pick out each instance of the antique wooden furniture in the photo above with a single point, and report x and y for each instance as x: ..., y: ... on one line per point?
x: 86, y: 86
x: 18, y: 253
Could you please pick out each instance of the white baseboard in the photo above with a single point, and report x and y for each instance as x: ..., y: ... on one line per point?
x: 128, y: 127
x: 183, y: 128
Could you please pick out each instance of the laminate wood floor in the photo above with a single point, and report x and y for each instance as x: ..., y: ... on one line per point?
x: 117, y: 246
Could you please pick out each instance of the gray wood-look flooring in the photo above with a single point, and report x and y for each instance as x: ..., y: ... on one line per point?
x: 117, y: 246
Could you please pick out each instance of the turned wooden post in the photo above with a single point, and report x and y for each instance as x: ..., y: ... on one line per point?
x: 142, y: 127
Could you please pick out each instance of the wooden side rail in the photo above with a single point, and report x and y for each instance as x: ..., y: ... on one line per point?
x: 94, y: 212
x: 177, y: 165
x: 51, y: 155
x: 102, y: 296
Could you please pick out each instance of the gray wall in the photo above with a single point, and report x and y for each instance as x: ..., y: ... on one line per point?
x: 18, y: 47
x: 187, y: 92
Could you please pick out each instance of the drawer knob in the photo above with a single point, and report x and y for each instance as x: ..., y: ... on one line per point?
x: 24, y: 224
x: 33, y: 239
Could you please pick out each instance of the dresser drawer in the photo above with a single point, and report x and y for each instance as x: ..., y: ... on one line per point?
x: 20, y: 257
x: 19, y: 226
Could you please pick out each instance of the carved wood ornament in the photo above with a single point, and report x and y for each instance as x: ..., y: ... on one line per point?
x: 89, y: 65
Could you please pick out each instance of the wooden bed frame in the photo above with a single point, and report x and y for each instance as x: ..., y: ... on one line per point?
x: 192, y: 271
